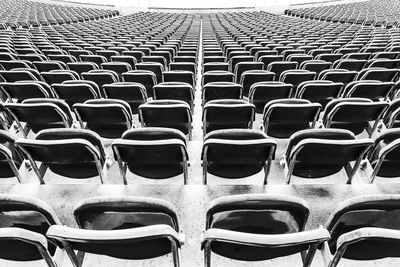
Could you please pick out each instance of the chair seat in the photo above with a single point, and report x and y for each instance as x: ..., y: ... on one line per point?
x: 235, y: 170
x: 158, y: 171
x: 75, y: 170
x: 315, y: 170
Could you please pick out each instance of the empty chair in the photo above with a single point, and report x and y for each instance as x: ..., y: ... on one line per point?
x: 279, y: 67
x: 242, y: 67
x: 227, y: 114
x: 360, y: 56
x: 18, y: 75
x: 136, y: 54
x: 63, y: 58
x: 338, y: 75
x: 318, y: 153
x: 72, y: 153
x: 110, y: 118
x: 383, y: 157
x: 296, y: 77
x: 155, y: 67
x: 256, y: 227
x: 283, y: 117
x: 97, y: 59
x: 216, y: 76
x: 129, y: 228
x: 176, y: 91
x: 267, y: 59
x: 75, y: 91
x: 155, y: 59
x: 221, y: 90
x: 59, y: 76
x: 379, y: 74
x: 234, y: 60
x: 26, y: 89
x: 329, y: 57
x: 363, y: 228
x: 383, y: 63
x: 49, y: 65
x: 101, y: 77
x: 263, y: 92
x: 117, y: 67
x: 315, y: 65
x: 251, y: 77
x: 132, y: 93
x: 222, y: 66
x: 212, y: 59
x: 349, y: 64
x: 40, y: 113
x: 155, y: 153
x: 24, y: 223
x: 126, y: 59
x: 319, y: 91
x: 185, y: 59
x: 354, y: 114
x: 13, y: 64
x: 80, y: 67
x: 107, y: 54
x: 187, y: 66
x: 179, y: 76
x: 174, y: 114
x: 374, y: 90
x: 237, y: 153
x: 145, y: 77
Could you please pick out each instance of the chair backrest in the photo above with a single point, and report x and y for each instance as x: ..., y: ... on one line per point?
x: 179, y: 76
x: 28, y: 213
x: 107, y: 117
x: 221, y: 90
x: 374, y: 211
x: 319, y: 155
x: 157, y: 155
x: 283, y: 117
x: 174, y: 114
x: 263, y: 92
x: 237, y: 153
x: 227, y: 114
x: 174, y: 90
x: 319, y: 91
x: 217, y: 76
x: 125, y: 213
x: 374, y: 90
x: 256, y: 214
x: 26, y: 89
x: 40, y: 113
x: 353, y: 114
x: 338, y: 75
x: 77, y: 92
x: 75, y: 153
x: 131, y: 92
x: 59, y: 76
x: 145, y: 77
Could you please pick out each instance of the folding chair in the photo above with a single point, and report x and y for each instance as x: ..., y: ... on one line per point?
x: 129, y: 228
x: 72, y: 153
x: 256, y: 227
x: 154, y: 153
x: 237, y: 153
x: 283, y: 117
x: 318, y: 153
